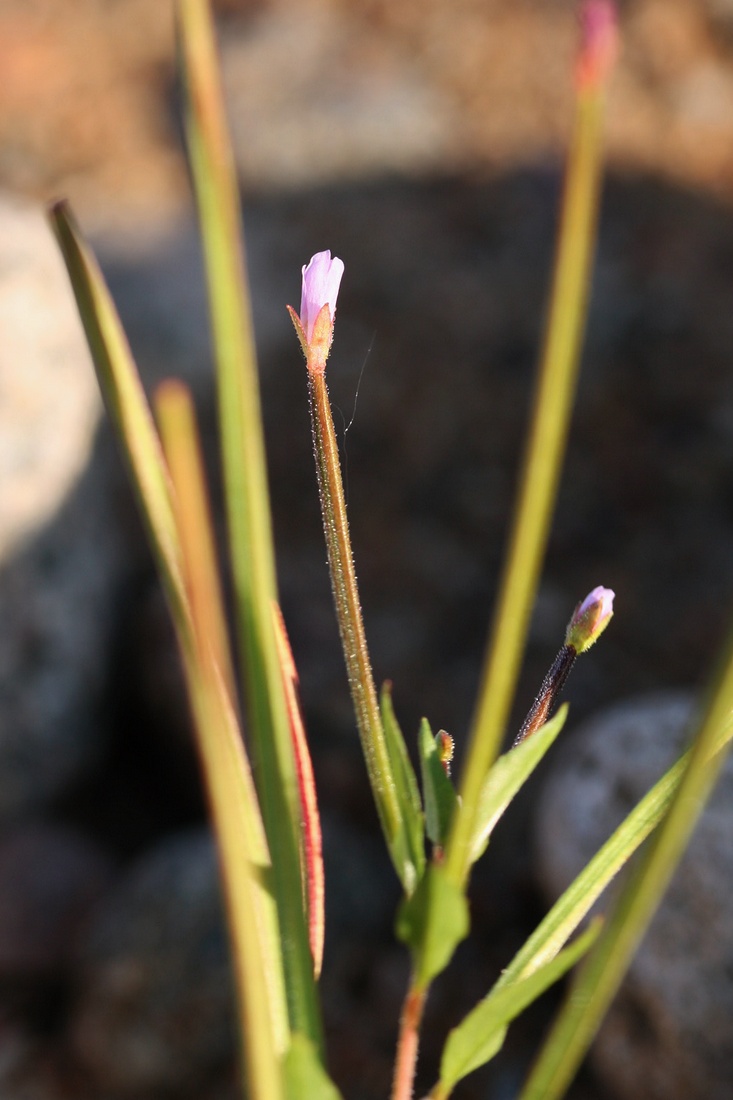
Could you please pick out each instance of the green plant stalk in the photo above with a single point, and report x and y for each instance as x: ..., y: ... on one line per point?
x: 600, y: 976
x: 245, y: 880
x: 247, y: 500
x: 348, y: 608
x: 542, y: 465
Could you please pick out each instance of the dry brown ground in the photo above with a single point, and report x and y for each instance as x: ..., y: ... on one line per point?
x: 86, y: 103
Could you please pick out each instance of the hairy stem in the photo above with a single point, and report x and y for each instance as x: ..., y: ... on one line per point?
x: 412, y: 1011
x: 348, y: 607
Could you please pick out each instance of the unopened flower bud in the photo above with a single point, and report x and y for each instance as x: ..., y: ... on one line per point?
x: 590, y: 619
x: 314, y: 325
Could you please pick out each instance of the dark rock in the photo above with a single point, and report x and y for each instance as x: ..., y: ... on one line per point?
x: 155, y: 1011
x: 50, y: 877
x: 29, y: 1069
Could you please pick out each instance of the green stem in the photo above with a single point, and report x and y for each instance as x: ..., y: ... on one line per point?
x: 247, y: 498
x: 542, y: 465
x: 348, y: 608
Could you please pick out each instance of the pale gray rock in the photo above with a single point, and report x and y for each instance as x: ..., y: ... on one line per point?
x: 49, y: 403
x: 61, y: 550
x: 155, y: 1013
x: 317, y: 94
x: 668, y: 1035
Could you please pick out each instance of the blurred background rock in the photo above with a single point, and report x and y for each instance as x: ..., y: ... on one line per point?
x: 423, y: 143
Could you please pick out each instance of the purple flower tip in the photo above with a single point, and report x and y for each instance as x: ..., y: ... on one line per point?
x: 590, y: 619
x: 321, y: 282
x: 603, y: 598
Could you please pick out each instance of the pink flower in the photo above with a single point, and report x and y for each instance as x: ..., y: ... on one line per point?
x: 598, y: 42
x: 590, y: 619
x: 314, y: 326
x: 321, y: 282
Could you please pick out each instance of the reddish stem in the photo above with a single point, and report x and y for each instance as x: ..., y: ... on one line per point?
x: 404, y: 1074
x: 550, y: 689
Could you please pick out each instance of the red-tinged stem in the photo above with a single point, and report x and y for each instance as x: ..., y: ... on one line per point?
x: 547, y: 696
x: 407, y: 1045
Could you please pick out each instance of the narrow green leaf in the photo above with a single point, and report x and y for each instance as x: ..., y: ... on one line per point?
x: 305, y: 1077
x: 408, y: 846
x: 508, y: 775
x: 480, y: 1036
x: 125, y: 401
x: 246, y: 492
x: 402, y: 770
x: 576, y: 902
x: 438, y: 791
x: 432, y: 923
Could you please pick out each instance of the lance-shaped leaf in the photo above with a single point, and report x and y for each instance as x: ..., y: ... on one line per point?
x: 125, y: 402
x: 508, y: 775
x: 408, y: 845
x: 438, y: 790
x: 576, y: 902
x: 305, y: 1077
x: 480, y: 1036
x: 432, y: 923
x: 311, y: 836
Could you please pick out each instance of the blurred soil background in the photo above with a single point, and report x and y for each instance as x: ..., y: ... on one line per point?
x: 422, y: 142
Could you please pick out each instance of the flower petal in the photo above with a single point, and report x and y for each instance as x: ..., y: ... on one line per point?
x: 321, y: 282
